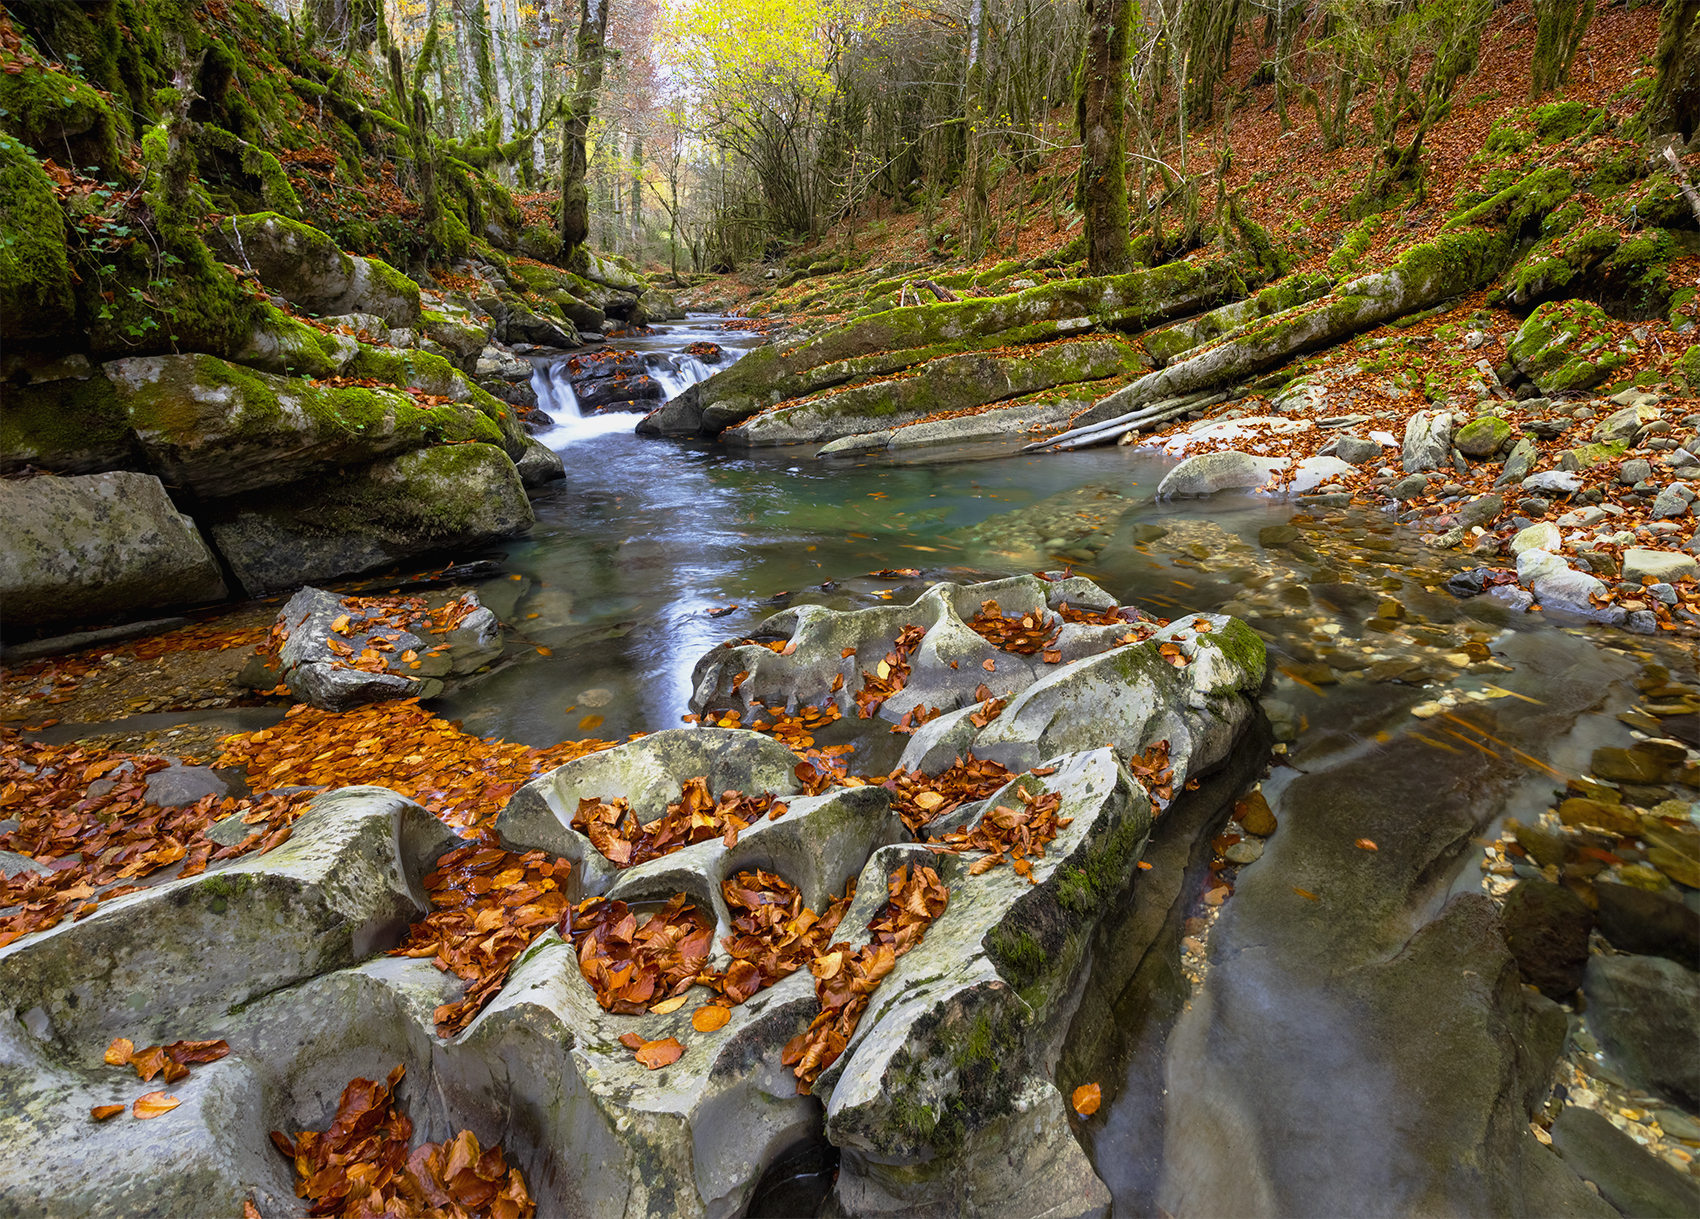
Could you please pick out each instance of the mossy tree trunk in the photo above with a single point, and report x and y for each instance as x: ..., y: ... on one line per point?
x: 1100, y: 113
x: 976, y: 209
x: 1675, y: 104
x: 1206, y: 28
x: 1559, y: 26
x: 575, y: 195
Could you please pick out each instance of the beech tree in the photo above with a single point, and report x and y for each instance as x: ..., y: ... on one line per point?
x: 579, y: 106
x: 1100, y: 113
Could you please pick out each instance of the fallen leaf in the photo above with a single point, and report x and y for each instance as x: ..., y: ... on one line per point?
x: 989, y: 665
x: 1306, y: 894
x: 101, y: 1112
x: 708, y: 1018
x: 545, y: 652
x: 249, y: 1210
x: 667, y: 1006
x: 120, y: 1051
x: 1087, y: 1098
x: 658, y: 1054
x: 152, y: 1104
x: 589, y: 722
x: 1364, y: 844
x: 631, y: 1040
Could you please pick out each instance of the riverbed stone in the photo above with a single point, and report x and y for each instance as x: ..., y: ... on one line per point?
x: 1428, y: 442
x: 1208, y: 473
x: 1645, y: 1011
x: 540, y: 465
x: 1647, y: 924
x: 1656, y: 566
x: 98, y: 545
x: 1628, y: 1177
x: 1357, y: 450
x: 1546, y: 927
x: 1482, y: 437
x: 1541, y: 536
x: 1518, y: 464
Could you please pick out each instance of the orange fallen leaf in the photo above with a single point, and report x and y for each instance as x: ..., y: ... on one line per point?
x: 631, y: 1041
x: 1087, y: 1098
x: 658, y: 1054
x: 120, y: 1051
x: 1364, y: 844
x: 667, y: 1006
x: 101, y: 1112
x: 709, y: 1018
x: 249, y: 1210
x: 149, y: 1062
x: 589, y: 722
x: 545, y: 652
x: 989, y: 665
x: 1306, y: 894
x: 153, y: 1104
x: 1143, y: 866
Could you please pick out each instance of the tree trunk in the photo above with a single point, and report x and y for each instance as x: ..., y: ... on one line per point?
x: 1559, y: 26
x: 976, y: 212
x: 575, y: 196
x: 635, y: 207
x: 1100, y: 106
x: 1675, y: 104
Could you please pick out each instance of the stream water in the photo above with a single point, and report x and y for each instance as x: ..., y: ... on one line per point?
x: 649, y: 553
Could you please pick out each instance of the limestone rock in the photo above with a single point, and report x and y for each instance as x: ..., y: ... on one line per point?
x: 97, y: 545
x: 1428, y: 441
x: 1645, y: 1011
x: 1541, y: 536
x: 1621, y: 426
x: 1656, y: 566
x: 1357, y: 451
x: 220, y: 430
x: 452, y: 496
x: 1564, y: 346
x: 1631, y: 1180
x: 308, y: 269
x: 1208, y: 473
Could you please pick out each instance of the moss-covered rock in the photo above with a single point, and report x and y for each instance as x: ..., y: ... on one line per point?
x: 458, y: 496
x: 37, y: 300
x: 307, y: 268
x: 458, y: 331
x: 264, y: 182
x: 1482, y: 437
x: 768, y: 375
x: 218, y: 429
x: 1566, y: 346
x: 70, y: 425
x: 58, y: 115
x: 1688, y: 368
x: 287, y: 346
x: 952, y: 383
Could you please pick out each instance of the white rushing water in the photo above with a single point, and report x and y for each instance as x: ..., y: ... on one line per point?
x: 664, y: 360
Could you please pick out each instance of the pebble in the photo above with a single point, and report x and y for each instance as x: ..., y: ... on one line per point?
x: 1248, y: 851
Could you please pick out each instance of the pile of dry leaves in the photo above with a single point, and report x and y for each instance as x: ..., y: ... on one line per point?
x: 361, y: 1165
x: 464, y: 780
x: 776, y: 935
x: 1022, y: 634
x: 889, y: 676
x: 637, y: 968
x: 846, y: 977
x: 488, y: 905
x: 918, y: 798
x: 696, y: 816
x: 1016, y: 836
x: 83, y: 812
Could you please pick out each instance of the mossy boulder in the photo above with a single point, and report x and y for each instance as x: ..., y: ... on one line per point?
x: 952, y: 383
x: 217, y: 429
x: 450, y: 497
x: 58, y: 115
x: 73, y: 424
x: 901, y: 338
x: 97, y: 546
x: 38, y: 302
x: 287, y: 346
x: 460, y: 332
x: 1566, y: 346
x: 307, y: 268
x: 1482, y: 437
x: 1688, y: 367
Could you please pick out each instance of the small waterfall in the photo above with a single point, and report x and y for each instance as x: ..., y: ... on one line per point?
x: 677, y: 373
x: 556, y: 398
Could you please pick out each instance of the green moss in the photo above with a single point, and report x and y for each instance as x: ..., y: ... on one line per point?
x: 267, y: 183
x: 1521, y: 204
x: 1509, y: 136
x: 1562, y: 120
x: 1688, y: 368
x: 1245, y: 650
x: 59, y: 116
x: 67, y: 426
x: 1019, y: 955
x: 1639, y: 270
x: 1346, y: 260
x: 37, y: 295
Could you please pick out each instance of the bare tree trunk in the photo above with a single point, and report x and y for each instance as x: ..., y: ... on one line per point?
x: 635, y: 206
x: 1100, y: 113
x: 1675, y: 104
x: 575, y: 197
